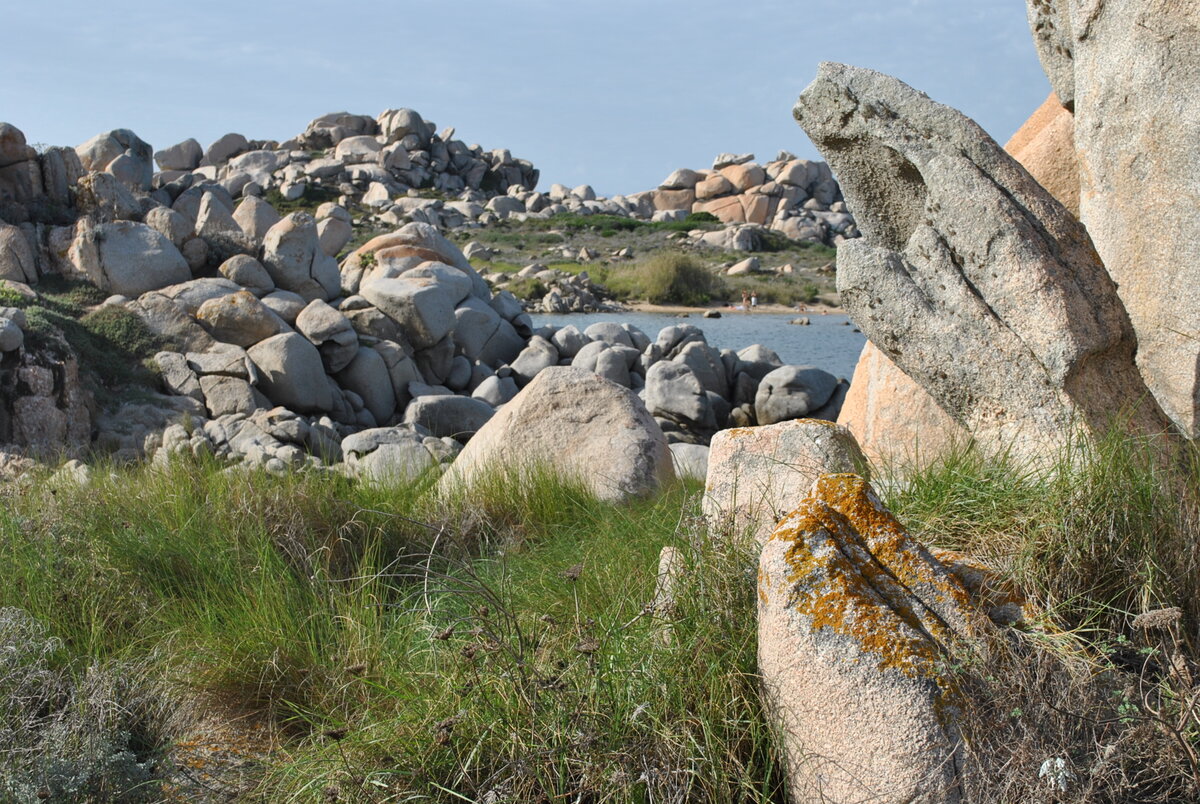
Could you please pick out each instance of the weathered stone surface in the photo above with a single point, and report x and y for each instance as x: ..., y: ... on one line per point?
x: 331, y: 332
x: 970, y: 276
x: 1045, y: 146
x: 756, y: 474
x: 854, y: 617
x: 792, y: 392
x: 535, y: 358
x: 240, y: 318
x: 185, y: 155
x: 457, y: 417
x: 1050, y: 21
x: 128, y: 258
x: 16, y: 257
x: 387, y: 454
x: 247, y: 272
x: 291, y: 374
x: 255, y: 217
x: 673, y: 392
x: 406, y: 248
x: 578, y: 425
x: 895, y: 420
x: 136, y: 165
x: 367, y: 375
x: 1137, y: 113
x: 292, y: 256
x: 691, y: 460
x: 424, y: 308
x: 170, y: 224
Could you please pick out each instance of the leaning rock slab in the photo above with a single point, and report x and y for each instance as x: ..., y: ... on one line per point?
x: 578, y: 425
x: 969, y: 275
x: 756, y: 474
x: 854, y: 616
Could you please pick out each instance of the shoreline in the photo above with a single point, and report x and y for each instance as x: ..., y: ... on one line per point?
x: 816, y: 308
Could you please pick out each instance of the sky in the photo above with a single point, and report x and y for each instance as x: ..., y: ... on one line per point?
x: 615, y: 94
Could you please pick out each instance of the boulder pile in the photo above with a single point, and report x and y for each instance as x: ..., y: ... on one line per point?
x: 282, y: 357
x: 796, y: 197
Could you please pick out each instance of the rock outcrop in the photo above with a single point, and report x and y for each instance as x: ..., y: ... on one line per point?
x: 580, y: 426
x: 970, y: 276
x: 756, y: 474
x: 895, y: 421
x: 1045, y: 146
x: 1129, y: 71
x: 854, y: 618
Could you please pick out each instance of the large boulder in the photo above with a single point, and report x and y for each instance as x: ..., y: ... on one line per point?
x: 331, y: 332
x: 127, y: 258
x: 457, y: 417
x: 409, y: 246
x: 792, y: 392
x: 1131, y: 71
x: 896, y: 421
x: 239, y: 318
x: 292, y: 255
x: 577, y: 425
x: 291, y: 374
x: 756, y: 474
x: 1045, y: 146
x: 423, y: 307
x: 121, y: 153
x: 16, y: 257
x: 854, y: 619
x: 969, y: 275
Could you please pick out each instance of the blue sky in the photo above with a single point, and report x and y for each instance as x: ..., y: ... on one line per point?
x: 616, y: 94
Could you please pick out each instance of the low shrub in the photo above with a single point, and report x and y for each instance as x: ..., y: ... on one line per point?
x: 667, y: 278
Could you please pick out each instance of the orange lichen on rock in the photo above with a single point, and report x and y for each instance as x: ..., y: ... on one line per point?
x: 855, y: 570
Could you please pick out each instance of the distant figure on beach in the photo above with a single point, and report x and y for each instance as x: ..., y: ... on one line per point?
x: 753, y: 301
x: 745, y: 300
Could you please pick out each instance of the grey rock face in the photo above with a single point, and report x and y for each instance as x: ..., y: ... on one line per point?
x: 539, y: 355
x: 976, y: 282
x: 331, y: 332
x: 792, y: 392
x: 1050, y: 22
x: 578, y: 425
x: 291, y: 374
x: 185, y: 155
x: 457, y: 417
x: 367, y: 375
x: 239, y: 318
x: 1137, y: 113
x: 674, y: 392
x: 424, y: 308
x: 129, y: 258
x: 292, y: 255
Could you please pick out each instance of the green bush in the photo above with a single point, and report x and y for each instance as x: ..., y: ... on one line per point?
x: 667, y: 278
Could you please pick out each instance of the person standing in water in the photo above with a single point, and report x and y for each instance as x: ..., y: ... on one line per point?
x: 753, y: 301
x: 745, y: 301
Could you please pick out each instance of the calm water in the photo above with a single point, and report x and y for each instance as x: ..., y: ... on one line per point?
x: 829, y: 343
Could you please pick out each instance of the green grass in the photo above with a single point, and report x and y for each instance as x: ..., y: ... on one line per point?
x: 409, y: 645
x: 667, y: 278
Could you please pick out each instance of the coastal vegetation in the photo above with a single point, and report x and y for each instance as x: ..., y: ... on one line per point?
x: 367, y: 642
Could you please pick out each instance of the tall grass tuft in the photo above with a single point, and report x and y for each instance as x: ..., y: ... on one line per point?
x: 668, y: 278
